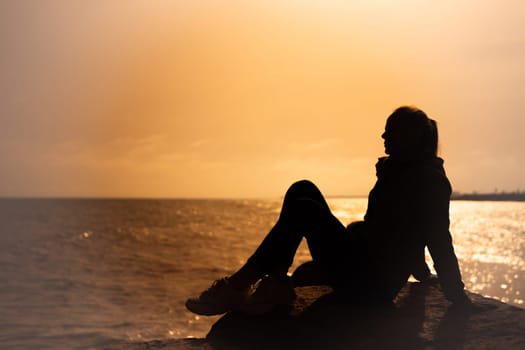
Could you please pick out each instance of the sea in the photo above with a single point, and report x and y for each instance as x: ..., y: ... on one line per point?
x: 89, y: 273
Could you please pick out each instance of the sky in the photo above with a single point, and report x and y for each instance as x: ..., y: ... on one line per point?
x: 229, y: 99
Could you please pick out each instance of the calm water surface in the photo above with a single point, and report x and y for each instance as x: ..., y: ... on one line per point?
x: 80, y: 274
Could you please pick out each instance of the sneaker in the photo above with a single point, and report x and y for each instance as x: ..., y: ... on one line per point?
x: 271, y: 294
x: 220, y: 298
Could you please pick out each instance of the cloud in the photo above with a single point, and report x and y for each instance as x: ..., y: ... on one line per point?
x: 197, y: 98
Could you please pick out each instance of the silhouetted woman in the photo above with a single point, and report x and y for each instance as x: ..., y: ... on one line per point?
x: 408, y: 209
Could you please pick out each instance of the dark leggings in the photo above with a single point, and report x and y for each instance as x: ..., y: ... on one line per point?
x: 305, y: 213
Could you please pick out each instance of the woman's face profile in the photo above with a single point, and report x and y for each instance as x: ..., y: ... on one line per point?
x: 401, y: 138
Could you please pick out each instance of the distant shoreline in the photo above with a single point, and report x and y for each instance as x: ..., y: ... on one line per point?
x: 503, y: 196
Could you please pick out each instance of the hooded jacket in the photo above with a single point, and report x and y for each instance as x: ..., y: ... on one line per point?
x: 408, y: 209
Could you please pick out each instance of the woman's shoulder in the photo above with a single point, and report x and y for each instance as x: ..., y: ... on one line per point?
x: 432, y: 165
x: 431, y: 173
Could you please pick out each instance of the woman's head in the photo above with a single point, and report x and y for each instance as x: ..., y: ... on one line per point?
x: 409, y: 132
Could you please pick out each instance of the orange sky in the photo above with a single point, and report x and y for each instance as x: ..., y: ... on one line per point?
x: 240, y: 98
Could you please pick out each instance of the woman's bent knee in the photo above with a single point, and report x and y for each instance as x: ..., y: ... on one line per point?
x: 302, y: 188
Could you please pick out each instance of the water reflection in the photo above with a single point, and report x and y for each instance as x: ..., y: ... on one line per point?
x: 490, y: 243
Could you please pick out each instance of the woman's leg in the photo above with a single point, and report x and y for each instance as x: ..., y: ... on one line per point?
x: 305, y: 213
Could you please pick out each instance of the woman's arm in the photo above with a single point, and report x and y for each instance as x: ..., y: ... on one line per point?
x: 434, y: 219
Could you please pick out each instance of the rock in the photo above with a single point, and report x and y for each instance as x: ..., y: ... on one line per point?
x: 419, y: 318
